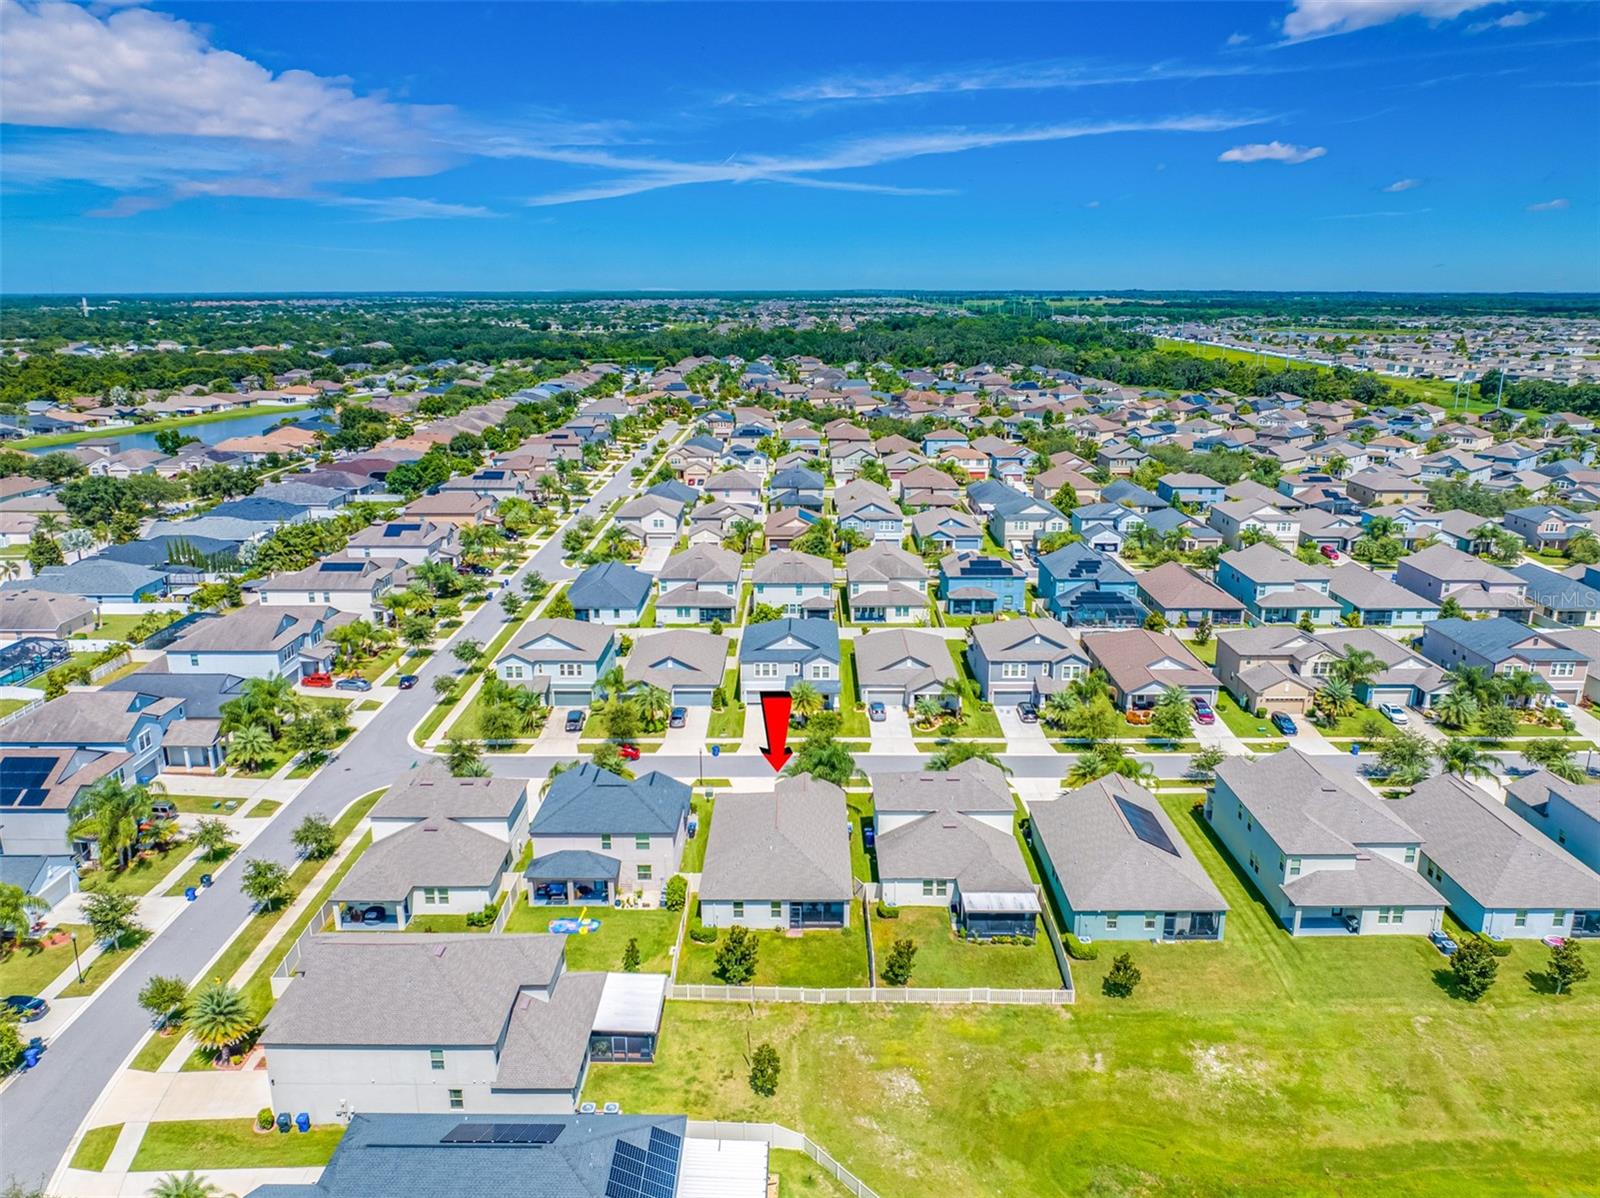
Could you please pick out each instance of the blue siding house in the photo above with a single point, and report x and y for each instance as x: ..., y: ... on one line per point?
x: 610, y: 593
x: 1084, y: 587
x: 1190, y: 488
x: 973, y: 584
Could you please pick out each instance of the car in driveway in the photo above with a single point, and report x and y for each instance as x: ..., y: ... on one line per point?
x: 353, y: 684
x: 575, y: 720
x: 1394, y: 713
x: 1329, y: 552
x: 1202, y: 711
x: 629, y: 752
x: 25, y: 1007
x: 877, y: 712
x: 1282, y: 722
x: 1027, y: 713
x: 322, y: 680
x: 406, y: 681
x: 678, y: 718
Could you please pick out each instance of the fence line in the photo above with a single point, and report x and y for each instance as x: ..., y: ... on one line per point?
x: 817, y: 995
x: 1048, y: 919
x: 30, y: 705
x: 508, y: 905
x: 109, y: 667
x: 776, y: 1135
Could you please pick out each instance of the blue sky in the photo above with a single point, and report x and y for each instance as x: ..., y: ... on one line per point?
x: 1289, y: 144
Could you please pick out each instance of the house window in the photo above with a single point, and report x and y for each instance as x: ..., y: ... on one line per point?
x: 1563, y: 669
x: 194, y: 660
x: 642, y: 843
x: 1149, y: 921
x: 144, y: 739
x: 1013, y: 669
x: 767, y: 669
x: 1521, y: 919
x: 457, y: 1102
x: 515, y: 672
x: 821, y: 671
x: 927, y: 887
x: 644, y: 873
x: 1411, y: 855
x: 605, y: 840
x: 738, y: 909
x: 436, y: 1058
x: 1071, y: 670
x: 1558, y: 918
x: 1255, y: 866
x: 570, y: 669
x: 776, y: 910
x: 1111, y: 921
x: 1294, y: 867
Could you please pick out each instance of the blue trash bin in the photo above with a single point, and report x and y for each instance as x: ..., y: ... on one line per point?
x: 30, y: 1058
x: 283, y: 1122
x: 303, y: 1121
x: 205, y: 879
x: 190, y: 894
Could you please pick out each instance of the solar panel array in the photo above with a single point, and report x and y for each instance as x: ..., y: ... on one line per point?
x: 645, y: 1172
x: 22, y: 781
x: 980, y: 566
x: 342, y: 567
x: 397, y: 530
x: 1146, y: 827
x: 502, y: 1133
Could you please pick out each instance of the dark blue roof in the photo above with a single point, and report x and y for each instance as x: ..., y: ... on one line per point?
x: 572, y: 864
x: 590, y: 801
x: 1497, y: 639
x: 255, y: 508
x: 1557, y: 591
x: 203, y: 694
x: 158, y: 551
x: 1079, y: 561
x: 764, y: 642
x: 796, y: 478
x: 673, y: 489
x: 609, y: 585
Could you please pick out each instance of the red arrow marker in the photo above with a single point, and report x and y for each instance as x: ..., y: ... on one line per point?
x: 775, y: 708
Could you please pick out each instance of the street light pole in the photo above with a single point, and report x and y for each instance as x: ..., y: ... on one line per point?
x: 75, y: 962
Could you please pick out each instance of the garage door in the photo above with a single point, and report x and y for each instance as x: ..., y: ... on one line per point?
x: 891, y: 696
x: 692, y: 696
x: 1293, y: 705
x: 570, y: 698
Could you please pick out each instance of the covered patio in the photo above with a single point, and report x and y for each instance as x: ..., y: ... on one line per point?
x: 572, y: 878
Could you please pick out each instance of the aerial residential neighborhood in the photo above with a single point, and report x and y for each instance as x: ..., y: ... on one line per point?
x: 595, y: 607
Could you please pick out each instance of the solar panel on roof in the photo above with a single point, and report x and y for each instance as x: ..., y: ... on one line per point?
x: 342, y: 567
x: 1145, y: 826
x: 22, y: 781
x: 468, y: 1133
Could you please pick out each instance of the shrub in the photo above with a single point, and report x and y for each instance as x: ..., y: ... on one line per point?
x: 737, y: 956
x: 1122, y: 977
x: 1473, y: 967
x: 265, y: 1118
x: 1261, y: 713
x: 677, y: 892
x: 1078, y: 950
x: 701, y: 934
x: 764, y: 1069
x: 484, y: 918
x: 1498, y: 948
x: 887, y: 911
x: 719, y: 699
x: 897, y: 966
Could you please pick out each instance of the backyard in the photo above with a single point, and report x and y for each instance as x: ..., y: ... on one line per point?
x: 943, y: 960
x: 1333, y: 1066
x: 655, y: 930
x: 823, y: 957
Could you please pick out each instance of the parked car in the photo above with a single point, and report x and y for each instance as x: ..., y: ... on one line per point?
x: 26, y: 1007
x: 575, y: 720
x: 678, y: 718
x: 353, y: 683
x: 407, y: 681
x: 1203, y: 712
x: 1558, y: 704
x: 480, y: 571
x: 1394, y: 713
x: 1282, y: 722
x: 1443, y: 943
x: 1027, y: 713
x: 325, y: 680
x: 163, y: 809
x: 629, y: 752
x: 1329, y: 552
x: 877, y: 712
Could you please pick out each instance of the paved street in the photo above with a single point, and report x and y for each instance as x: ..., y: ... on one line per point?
x: 42, y: 1109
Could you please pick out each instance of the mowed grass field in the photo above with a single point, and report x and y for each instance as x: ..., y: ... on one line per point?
x: 1260, y: 1066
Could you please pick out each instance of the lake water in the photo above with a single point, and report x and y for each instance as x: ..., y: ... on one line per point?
x: 209, y: 434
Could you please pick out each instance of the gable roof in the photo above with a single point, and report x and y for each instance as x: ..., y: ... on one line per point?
x: 559, y: 640
x: 1171, y: 586
x: 897, y: 657
x: 788, y: 845
x: 790, y: 640
x: 678, y: 657
x: 1032, y: 638
x: 1307, y: 809
x: 431, y: 792
x: 590, y: 801
x: 609, y: 585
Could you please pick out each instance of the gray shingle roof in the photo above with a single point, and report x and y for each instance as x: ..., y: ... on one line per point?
x: 609, y: 585
x: 256, y: 629
x: 681, y: 657
x: 1310, y: 810
x: 558, y: 640
x: 1028, y: 639
x: 786, y: 567
x: 793, y: 845
x: 946, y: 840
x: 590, y: 801
x: 432, y: 852
x: 895, y: 657
x: 432, y: 793
x: 1103, y: 866
x: 769, y: 641
x: 1499, y: 859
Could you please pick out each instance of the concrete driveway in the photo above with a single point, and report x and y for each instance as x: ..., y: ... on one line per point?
x: 654, y: 558
x: 1021, y: 737
x: 893, y: 734
x: 691, y: 738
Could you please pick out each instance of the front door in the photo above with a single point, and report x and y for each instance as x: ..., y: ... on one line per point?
x: 1169, y: 925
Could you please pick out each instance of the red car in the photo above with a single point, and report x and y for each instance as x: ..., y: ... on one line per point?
x: 317, y: 680
x: 629, y: 752
x: 1329, y: 552
x: 1203, y: 712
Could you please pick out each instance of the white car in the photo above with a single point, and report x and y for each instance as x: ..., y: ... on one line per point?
x: 1558, y: 704
x: 1394, y: 713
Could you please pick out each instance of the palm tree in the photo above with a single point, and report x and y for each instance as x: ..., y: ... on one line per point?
x: 1335, y: 697
x: 1523, y: 686
x: 1359, y: 666
x: 110, y: 816
x: 465, y: 758
x: 1465, y: 759
x: 1108, y: 759
x: 958, y: 751
x: 805, y: 700
x: 1058, y: 707
x: 219, y: 1018
x: 556, y: 770
x: 1457, y: 709
x: 927, y: 709
x: 1555, y: 756
x: 249, y: 746
x: 742, y: 532
x: 189, y: 1185
x: 16, y: 908
x: 654, y: 703
x: 1473, y: 681
x: 612, y: 683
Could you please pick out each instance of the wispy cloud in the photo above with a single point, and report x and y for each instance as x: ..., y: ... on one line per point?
x: 1237, y: 39
x: 641, y: 174
x: 1403, y: 185
x: 1324, y: 18
x: 1512, y: 20
x: 1558, y: 205
x: 1272, y: 151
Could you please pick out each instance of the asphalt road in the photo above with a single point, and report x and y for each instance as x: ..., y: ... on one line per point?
x: 41, y: 1110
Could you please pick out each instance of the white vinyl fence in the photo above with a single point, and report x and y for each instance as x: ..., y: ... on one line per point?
x: 776, y: 1135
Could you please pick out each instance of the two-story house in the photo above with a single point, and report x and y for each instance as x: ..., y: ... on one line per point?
x: 869, y: 510
x: 886, y: 585
x: 1499, y: 644
x: 652, y: 520
x: 1281, y: 668
x: 698, y: 586
x: 1441, y: 573
x: 1190, y: 488
x: 798, y: 583
x: 1277, y: 588
x: 1567, y: 812
x: 1326, y: 853
x: 127, y: 725
x: 1085, y: 587
x: 1235, y: 517
x: 259, y: 641
x: 561, y: 658
x: 779, y: 653
x: 1023, y: 660
x: 636, y: 827
x: 1544, y: 526
x: 975, y: 584
x: 1560, y: 601
x: 410, y: 541
x: 357, y: 586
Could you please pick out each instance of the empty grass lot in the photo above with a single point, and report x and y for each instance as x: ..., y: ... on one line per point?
x: 1259, y: 1067
x: 205, y: 1144
x: 943, y: 960
x: 656, y: 931
x: 823, y: 957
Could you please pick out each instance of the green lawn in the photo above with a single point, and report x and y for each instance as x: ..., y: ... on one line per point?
x: 819, y: 958
x: 205, y: 1144
x: 201, y: 804
x: 1326, y: 1066
x: 204, y: 865
x: 97, y: 972
x: 263, y: 809
x: 853, y: 722
x: 372, y: 669
x: 7, y: 706
x: 94, y: 1150
x: 656, y: 931
x: 943, y: 960
x: 143, y: 874
x: 1241, y: 722
x: 728, y: 724
x: 28, y: 969
x: 801, y: 1177
x: 694, y: 851
x: 1206, y: 652
x: 863, y: 865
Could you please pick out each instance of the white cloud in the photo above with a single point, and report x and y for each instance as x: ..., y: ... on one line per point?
x: 1559, y: 205
x: 641, y: 174
x: 1237, y: 39
x: 1322, y: 18
x: 1272, y: 151
x: 1403, y: 185
x: 1512, y: 20
x: 1092, y: 204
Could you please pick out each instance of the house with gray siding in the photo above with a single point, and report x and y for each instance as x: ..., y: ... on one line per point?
x: 1119, y: 867
x: 779, y: 653
x: 560, y: 658
x: 1500, y: 645
x: 886, y: 585
x: 259, y: 641
x: 1497, y: 873
x: 610, y: 593
x: 1566, y: 812
x: 1327, y: 855
x: 684, y: 662
x: 1023, y: 660
x: 639, y: 824
x: 798, y: 583
x: 698, y: 586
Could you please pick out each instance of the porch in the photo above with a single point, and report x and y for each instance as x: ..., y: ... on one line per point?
x: 572, y: 878
x: 372, y: 917
x: 983, y: 915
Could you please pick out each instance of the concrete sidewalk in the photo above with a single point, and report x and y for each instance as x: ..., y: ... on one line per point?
x: 77, y: 1183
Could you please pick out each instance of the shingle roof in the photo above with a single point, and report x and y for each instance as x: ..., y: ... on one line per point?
x: 1310, y: 810
x: 1171, y: 586
x: 432, y: 793
x: 1365, y: 589
x: 786, y: 568
x: 1028, y: 639
x: 768, y: 641
x: 256, y: 629
x: 1496, y: 857
x: 946, y: 840
x: 1265, y: 563
x: 703, y: 563
x: 609, y: 585
x: 1104, y: 866
x: 590, y: 801
x: 85, y: 717
x: 1499, y: 639
x: 1557, y: 591
x: 432, y: 852
x: 91, y: 576
x: 680, y: 657
x: 896, y: 657
x: 790, y: 845
x: 884, y: 563
x: 560, y: 639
